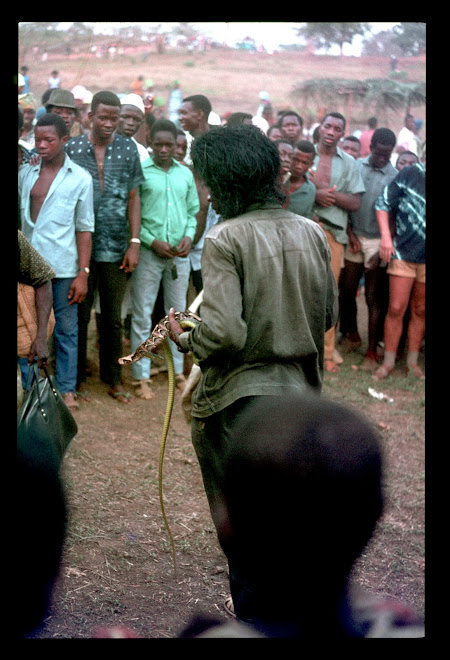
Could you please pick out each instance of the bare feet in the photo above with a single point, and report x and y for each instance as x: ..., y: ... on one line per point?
x: 180, y: 382
x: 331, y: 367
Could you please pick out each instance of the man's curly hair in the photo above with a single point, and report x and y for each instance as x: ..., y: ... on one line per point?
x: 240, y: 166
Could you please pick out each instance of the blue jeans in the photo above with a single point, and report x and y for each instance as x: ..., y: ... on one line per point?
x: 66, y: 335
x: 145, y: 283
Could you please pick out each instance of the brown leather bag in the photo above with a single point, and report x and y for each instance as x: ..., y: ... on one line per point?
x: 27, y: 319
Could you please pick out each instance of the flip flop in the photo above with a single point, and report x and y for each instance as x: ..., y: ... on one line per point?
x: 415, y: 370
x: 122, y: 397
x: 382, y: 372
x: 70, y: 401
x: 83, y: 394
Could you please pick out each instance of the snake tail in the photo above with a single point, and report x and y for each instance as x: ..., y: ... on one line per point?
x: 167, y: 418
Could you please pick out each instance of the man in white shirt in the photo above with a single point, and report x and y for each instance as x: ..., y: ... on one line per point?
x: 57, y: 213
x: 406, y: 139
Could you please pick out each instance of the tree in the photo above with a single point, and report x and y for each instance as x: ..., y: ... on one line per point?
x: 186, y: 30
x: 329, y: 34
x: 381, y: 44
x: 410, y: 37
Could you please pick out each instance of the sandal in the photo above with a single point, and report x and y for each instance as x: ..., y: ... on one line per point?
x: 70, y: 401
x: 83, y: 393
x: 142, y: 389
x: 229, y: 606
x: 382, y: 372
x: 119, y: 395
x: 415, y: 370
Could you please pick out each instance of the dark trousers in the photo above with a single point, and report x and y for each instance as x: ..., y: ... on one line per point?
x: 376, y: 294
x: 211, y: 437
x: 110, y: 281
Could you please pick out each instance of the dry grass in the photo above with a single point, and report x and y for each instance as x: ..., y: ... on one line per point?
x: 231, y: 79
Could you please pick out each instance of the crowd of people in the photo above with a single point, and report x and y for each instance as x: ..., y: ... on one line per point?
x: 277, y: 220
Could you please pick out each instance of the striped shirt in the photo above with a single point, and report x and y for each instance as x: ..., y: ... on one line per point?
x: 405, y: 198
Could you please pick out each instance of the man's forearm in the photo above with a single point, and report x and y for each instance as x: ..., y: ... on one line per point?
x: 84, y: 248
x: 44, y: 304
x: 134, y: 213
x: 347, y: 201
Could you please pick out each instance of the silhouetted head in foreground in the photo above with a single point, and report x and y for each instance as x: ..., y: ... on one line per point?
x: 302, y: 497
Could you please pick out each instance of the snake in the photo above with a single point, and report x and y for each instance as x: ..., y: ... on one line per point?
x: 160, y: 337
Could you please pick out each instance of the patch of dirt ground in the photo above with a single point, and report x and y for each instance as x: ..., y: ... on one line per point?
x: 117, y: 564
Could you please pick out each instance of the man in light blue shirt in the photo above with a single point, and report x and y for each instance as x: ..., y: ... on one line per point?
x: 169, y: 204
x: 57, y: 212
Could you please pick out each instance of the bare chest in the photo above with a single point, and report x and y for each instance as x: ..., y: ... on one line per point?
x: 39, y: 192
x: 322, y: 176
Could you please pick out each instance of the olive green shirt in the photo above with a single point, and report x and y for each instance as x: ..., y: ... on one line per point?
x: 345, y: 175
x: 269, y: 297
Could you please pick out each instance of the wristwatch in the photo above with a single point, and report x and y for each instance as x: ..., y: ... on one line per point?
x: 85, y: 270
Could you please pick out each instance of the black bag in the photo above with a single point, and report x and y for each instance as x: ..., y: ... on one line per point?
x: 44, y: 419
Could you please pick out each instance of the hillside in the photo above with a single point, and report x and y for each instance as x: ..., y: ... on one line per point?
x: 232, y: 79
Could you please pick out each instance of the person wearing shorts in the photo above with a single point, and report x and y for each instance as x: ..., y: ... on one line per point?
x: 362, y: 253
x: 405, y: 199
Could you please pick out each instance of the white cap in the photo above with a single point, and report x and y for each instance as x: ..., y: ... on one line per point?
x: 133, y: 99
x: 214, y: 119
x: 82, y: 94
x: 261, y: 123
x: 79, y: 92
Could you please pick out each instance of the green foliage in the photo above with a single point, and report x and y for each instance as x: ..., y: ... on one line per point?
x: 410, y: 38
x: 330, y: 34
x: 397, y: 75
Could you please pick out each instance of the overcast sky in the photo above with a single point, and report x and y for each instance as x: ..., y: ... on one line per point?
x: 268, y: 33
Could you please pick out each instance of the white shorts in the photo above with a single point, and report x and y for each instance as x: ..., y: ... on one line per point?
x: 369, y: 247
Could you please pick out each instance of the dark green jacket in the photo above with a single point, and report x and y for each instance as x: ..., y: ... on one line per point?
x: 269, y: 297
